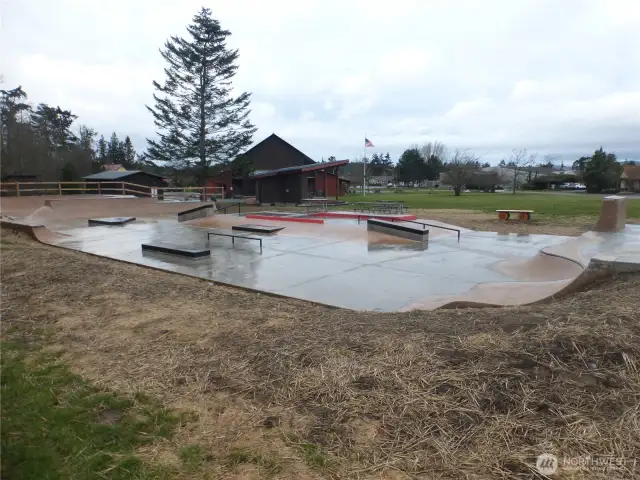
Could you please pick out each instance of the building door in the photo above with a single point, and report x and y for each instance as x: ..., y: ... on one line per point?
x: 311, y: 187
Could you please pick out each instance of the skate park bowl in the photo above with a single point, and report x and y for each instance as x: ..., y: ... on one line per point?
x: 339, y: 262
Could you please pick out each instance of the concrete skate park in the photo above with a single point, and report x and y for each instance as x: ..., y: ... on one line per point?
x: 336, y: 257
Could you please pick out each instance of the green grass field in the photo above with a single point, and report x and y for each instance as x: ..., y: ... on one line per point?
x: 55, y: 425
x: 543, y: 203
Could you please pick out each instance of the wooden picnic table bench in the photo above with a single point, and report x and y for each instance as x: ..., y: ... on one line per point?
x: 522, y: 214
x: 314, y: 205
x: 379, y: 206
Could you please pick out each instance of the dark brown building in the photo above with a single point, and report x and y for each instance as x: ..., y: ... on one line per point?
x: 135, y: 181
x: 270, y: 154
x: 296, y: 183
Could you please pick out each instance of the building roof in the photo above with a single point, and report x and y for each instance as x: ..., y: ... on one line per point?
x: 631, y: 171
x: 299, y: 169
x: 117, y: 175
x: 112, y: 167
x: 274, y: 137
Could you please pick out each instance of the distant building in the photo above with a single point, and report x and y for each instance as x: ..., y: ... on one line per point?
x: 294, y: 184
x: 272, y: 153
x: 113, y: 167
x: 130, y: 182
x: 630, y: 178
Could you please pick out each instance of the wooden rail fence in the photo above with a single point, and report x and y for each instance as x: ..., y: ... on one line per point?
x: 105, y: 188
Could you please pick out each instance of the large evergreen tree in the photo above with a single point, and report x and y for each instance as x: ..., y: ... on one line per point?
x: 198, y: 120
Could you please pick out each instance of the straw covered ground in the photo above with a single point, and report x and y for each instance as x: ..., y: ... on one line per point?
x: 283, y: 389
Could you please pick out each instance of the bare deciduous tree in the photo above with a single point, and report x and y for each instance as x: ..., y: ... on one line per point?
x: 518, y: 161
x: 460, y: 167
x: 436, y: 149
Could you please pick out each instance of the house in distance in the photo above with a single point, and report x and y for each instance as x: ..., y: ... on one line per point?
x: 112, y: 182
x: 277, y: 172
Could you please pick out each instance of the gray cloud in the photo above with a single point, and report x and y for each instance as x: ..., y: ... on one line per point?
x: 556, y: 77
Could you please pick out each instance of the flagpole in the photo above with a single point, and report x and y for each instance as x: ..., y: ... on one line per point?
x: 364, y: 166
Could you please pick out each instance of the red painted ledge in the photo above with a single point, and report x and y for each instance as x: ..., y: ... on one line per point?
x: 365, y: 216
x: 284, y: 219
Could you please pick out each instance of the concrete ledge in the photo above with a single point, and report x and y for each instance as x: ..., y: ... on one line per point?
x: 284, y: 218
x: 111, y: 221
x: 398, y: 230
x: 176, y: 250
x: 613, y: 214
x: 198, y: 212
x: 251, y: 227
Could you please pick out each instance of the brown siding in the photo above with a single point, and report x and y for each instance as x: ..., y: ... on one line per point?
x: 280, y: 189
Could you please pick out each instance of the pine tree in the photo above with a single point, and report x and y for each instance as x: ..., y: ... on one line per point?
x: 86, y: 139
x: 199, y: 122
x: 114, y: 152
x: 53, y: 125
x: 128, y: 153
x: 101, y: 150
x: 12, y: 104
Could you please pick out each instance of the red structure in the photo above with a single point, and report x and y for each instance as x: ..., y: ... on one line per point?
x: 269, y: 154
x: 294, y: 184
x: 223, y: 179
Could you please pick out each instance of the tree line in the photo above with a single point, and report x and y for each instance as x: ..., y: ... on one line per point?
x: 40, y: 141
x: 461, y: 169
x: 202, y: 123
x: 199, y: 122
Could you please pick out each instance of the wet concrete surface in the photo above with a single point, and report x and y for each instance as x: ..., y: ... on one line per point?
x: 320, y: 263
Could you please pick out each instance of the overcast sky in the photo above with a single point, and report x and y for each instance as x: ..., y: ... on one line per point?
x: 558, y: 77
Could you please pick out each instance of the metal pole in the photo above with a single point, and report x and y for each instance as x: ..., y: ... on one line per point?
x: 364, y: 166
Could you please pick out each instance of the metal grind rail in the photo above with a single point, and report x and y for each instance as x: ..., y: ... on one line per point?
x: 234, y: 236
x: 239, y: 205
x: 424, y: 224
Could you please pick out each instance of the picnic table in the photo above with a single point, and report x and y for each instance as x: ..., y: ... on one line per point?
x: 523, y: 215
x: 379, y: 207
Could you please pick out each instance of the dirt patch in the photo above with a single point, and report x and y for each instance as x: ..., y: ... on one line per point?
x: 444, y: 394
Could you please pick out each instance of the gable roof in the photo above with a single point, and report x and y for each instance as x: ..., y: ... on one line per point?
x: 275, y: 138
x: 631, y: 171
x: 299, y: 169
x: 112, y: 167
x: 108, y: 175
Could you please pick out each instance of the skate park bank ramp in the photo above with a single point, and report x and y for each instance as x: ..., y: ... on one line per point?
x: 62, y: 211
x: 344, y: 265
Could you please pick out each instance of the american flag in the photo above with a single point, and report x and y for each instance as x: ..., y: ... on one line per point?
x: 367, y: 143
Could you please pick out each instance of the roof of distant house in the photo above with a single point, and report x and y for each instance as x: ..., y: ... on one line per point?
x: 631, y: 171
x: 117, y: 175
x: 299, y: 168
x: 112, y: 167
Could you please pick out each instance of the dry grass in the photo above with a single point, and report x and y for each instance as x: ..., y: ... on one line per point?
x: 543, y: 224
x: 286, y: 389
